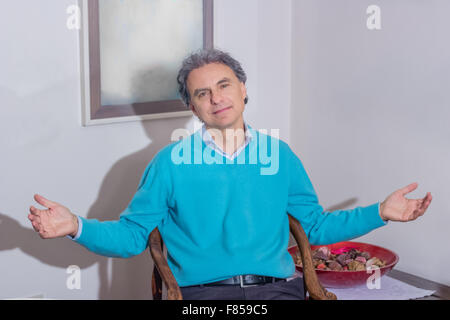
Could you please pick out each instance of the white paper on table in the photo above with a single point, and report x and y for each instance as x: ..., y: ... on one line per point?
x: 389, y: 289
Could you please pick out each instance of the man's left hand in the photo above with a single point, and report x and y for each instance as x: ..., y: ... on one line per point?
x: 397, y: 208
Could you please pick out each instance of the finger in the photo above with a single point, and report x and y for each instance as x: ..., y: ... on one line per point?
x: 422, y: 211
x: 43, y: 234
x: 428, y: 198
x: 36, y: 212
x: 421, y: 207
x: 35, y: 226
x: 425, y: 204
x: 34, y: 218
x: 409, y: 188
x: 413, y: 211
x: 45, y: 202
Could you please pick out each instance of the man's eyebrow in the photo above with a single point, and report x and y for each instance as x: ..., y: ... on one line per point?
x: 197, y: 91
x: 224, y: 80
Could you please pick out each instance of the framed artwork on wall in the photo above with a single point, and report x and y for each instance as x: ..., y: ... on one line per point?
x: 130, y: 54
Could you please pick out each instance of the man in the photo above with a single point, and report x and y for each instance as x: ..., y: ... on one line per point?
x: 222, y: 217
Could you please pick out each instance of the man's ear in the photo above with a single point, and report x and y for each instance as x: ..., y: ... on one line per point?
x: 244, y: 90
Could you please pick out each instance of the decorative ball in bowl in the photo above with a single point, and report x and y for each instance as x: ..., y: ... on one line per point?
x: 347, y: 264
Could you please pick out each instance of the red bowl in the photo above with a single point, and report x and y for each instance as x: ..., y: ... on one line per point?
x: 347, y: 279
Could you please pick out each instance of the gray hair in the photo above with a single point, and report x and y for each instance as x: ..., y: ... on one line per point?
x: 201, y: 58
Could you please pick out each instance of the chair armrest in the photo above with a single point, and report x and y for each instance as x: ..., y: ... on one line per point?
x: 156, y: 250
x: 313, y: 285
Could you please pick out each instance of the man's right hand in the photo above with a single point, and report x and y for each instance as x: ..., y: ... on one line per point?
x: 56, y: 221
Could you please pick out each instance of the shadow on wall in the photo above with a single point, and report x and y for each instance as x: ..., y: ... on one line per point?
x: 130, y: 278
x: 119, y: 278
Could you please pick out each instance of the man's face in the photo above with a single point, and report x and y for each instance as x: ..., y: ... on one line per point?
x: 217, y: 96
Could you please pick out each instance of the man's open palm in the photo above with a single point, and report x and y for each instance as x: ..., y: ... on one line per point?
x: 398, y: 208
x: 56, y: 221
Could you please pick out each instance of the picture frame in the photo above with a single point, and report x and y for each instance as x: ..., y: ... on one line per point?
x: 97, y: 108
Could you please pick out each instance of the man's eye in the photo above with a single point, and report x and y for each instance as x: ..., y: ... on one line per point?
x: 225, y: 85
x: 201, y: 94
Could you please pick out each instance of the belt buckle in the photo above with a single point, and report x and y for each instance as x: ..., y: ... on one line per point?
x: 241, y: 279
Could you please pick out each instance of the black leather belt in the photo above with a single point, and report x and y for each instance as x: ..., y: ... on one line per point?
x: 246, y: 280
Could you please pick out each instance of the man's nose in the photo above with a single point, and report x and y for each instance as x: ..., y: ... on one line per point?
x: 216, y: 97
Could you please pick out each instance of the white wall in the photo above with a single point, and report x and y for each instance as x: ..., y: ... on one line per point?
x: 258, y: 33
x: 95, y: 170
x: 370, y: 114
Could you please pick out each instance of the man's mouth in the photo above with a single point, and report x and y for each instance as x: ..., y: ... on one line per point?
x: 221, y: 110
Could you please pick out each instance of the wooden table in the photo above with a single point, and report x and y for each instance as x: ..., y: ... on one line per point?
x: 442, y: 291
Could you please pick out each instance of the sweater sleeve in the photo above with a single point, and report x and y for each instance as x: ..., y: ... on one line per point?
x: 320, y: 226
x: 128, y: 236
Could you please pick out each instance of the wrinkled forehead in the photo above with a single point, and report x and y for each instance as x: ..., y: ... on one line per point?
x: 209, y: 74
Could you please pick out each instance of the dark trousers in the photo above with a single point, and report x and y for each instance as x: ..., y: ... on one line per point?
x: 280, y: 290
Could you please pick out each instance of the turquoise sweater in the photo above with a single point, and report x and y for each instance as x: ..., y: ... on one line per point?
x: 220, y: 217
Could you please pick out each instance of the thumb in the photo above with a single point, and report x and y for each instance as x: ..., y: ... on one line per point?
x: 409, y: 188
x: 44, y: 202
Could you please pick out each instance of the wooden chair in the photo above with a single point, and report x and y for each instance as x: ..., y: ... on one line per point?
x: 162, y: 272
